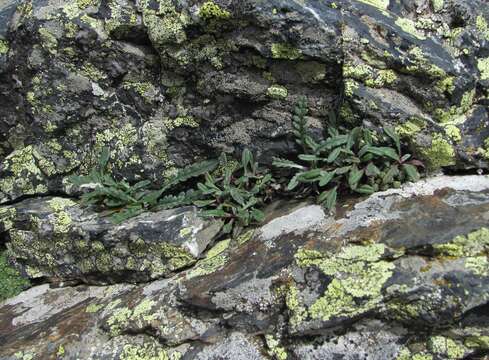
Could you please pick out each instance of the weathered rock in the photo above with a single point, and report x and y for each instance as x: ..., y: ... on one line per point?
x: 401, y: 275
x: 164, y: 83
x: 57, y: 239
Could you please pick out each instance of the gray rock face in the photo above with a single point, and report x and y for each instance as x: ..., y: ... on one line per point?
x: 401, y: 275
x: 165, y: 83
x: 56, y: 238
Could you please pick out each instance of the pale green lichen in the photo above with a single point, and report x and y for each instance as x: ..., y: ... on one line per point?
x: 477, y: 342
x: 148, y: 352
x: 4, y: 47
x: 359, y: 276
x: 408, y: 26
x: 381, y: 4
x: 121, y: 317
x: 25, y: 355
x: 441, y: 153
x: 483, y: 66
x: 214, y: 260
x: 24, y: 166
x: 482, y: 26
x: 7, y: 216
x: 62, y: 219
x: 438, y: 5
x: 478, y: 265
x: 275, y: 350
x: 473, y: 244
x: 410, y: 128
x: 166, y: 25
x: 277, y: 92
x: 285, y: 52
x: 446, y: 347
x: 48, y: 40
x: 211, y: 11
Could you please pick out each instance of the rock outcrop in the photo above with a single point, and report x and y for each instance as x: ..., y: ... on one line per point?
x: 55, y: 238
x: 401, y: 275
x: 165, y: 83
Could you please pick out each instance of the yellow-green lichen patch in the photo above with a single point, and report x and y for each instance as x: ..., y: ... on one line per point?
x: 214, y: 260
x: 446, y: 347
x: 275, y: 350
x: 277, y: 92
x: 167, y: 25
x: 381, y: 4
x: 211, y: 11
x: 7, y: 216
x: 478, y: 265
x: 25, y: 355
x: 477, y: 342
x: 410, y: 128
x: 94, y: 308
x: 140, y: 314
x: 483, y: 66
x: 4, y: 47
x: 409, y: 27
x: 438, y: 5
x: 62, y: 219
x: 441, y: 153
x: 474, y: 244
x: 285, y: 52
x: 26, y: 176
x: 148, y: 352
x: 298, y: 312
x: 482, y: 26
x: 358, y: 274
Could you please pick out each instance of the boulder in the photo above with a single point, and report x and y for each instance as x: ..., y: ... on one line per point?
x: 403, y: 274
x: 166, y: 83
x: 57, y: 239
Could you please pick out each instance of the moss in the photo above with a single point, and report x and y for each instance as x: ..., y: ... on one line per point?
x: 409, y: 27
x: 446, y: 347
x: 285, y: 52
x: 277, y: 92
x: 483, y: 66
x: 410, y: 128
x: 440, y: 154
x: 274, y: 349
x: 211, y: 11
x: 11, y: 282
x: 358, y: 275
x: 4, y: 47
x: 474, y: 244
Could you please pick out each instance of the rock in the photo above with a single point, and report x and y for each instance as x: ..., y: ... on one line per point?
x: 166, y: 83
x: 400, y: 275
x: 57, y: 239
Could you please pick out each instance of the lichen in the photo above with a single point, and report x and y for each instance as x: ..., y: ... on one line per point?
x: 214, y: 260
x: 483, y: 66
x: 381, y: 4
x: 4, y: 47
x: 285, y: 52
x: 277, y: 92
x: 409, y: 27
x: 93, y: 308
x: 438, y: 5
x: 446, y: 347
x: 441, y: 153
x: 473, y: 244
x: 7, y: 216
x: 148, y: 352
x: 482, y: 26
x: 275, y: 350
x: 121, y: 317
x: 358, y: 276
x: 62, y: 219
x: 211, y: 11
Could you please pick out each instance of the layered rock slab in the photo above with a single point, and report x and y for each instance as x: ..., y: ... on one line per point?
x: 57, y: 239
x: 402, y: 275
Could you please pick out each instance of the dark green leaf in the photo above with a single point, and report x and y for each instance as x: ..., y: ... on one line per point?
x: 354, y: 178
x: 411, y: 172
x: 395, y: 138
x: 334, y: 155
x: 328, y: 198
x: 283, y: 163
